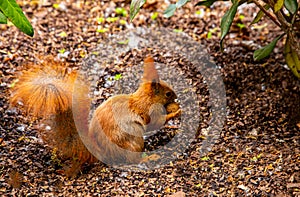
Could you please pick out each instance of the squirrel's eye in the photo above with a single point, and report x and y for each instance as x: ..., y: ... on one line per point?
x: 168, y: 94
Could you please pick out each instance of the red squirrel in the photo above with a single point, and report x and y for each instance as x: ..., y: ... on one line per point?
x: 47, y: 91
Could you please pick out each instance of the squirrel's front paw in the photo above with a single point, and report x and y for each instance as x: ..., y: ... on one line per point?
x: 178, y: 113
x: 172, y: 107
x: 174, y: 114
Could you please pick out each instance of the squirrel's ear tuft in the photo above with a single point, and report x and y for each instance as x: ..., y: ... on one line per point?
x: 150, y: 72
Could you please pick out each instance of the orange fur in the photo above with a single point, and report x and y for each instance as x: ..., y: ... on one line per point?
x: 117, y: 126
x: 116, y: 134
x: 46, y: 91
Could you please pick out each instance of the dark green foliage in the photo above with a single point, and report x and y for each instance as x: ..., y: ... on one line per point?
x: 227, y: 21
x: 266, y: 50
x: 291, y: 5
x: 207, y: 3
x: 289, y: 22
x: 260, y: 14
x: 9, y: 9
x: 286, y: 21
x: 170, y: 10
x: 3, y: 19
x: 135, y: 7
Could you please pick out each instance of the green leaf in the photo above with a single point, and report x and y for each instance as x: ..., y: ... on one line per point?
x: 100, y: 20
x: 3, y: 19
x: 63, y: 34
x: 154, y: 16
x: 123, y: 41
x: 102, y: 30
x: 95, y: 52
x: 205, y: 158
x: 121, y: 11
x: 266, y: 50
x: 181, y: 3
x: 241, y: 16
x: 144, y: 155
x: 254, y: 158
x: 112, y: 19
x: 62, y: 51
x: 199, y: 12
x: 209, y: 34
x: 135, y: 7
x: 206, y: 3
x: 177, y: 30
x: 241, y: 25
x: 13, y: 84
x: 55, y: 5
x: 170, y: 10
x: 291, y: 5
x: 14, y: 13
x: 291, y: 58
x: 260, y: 14
x: 118, y: 77
x: 278, y: 5
x: 198, y: 185
x: 227, y: 21
x: 123, y: 22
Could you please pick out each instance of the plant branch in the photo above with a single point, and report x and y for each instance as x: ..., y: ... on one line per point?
x: 283, y: 21
x: 295, y: 16
x: 267, y: 13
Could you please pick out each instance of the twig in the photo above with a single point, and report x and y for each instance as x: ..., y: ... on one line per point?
x: 267, y: 13
x: 282, y: 20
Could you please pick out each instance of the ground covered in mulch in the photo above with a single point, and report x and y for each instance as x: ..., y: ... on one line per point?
x: 256, y: 152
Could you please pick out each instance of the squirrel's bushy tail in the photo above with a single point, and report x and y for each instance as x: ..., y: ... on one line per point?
x: 46, y: 91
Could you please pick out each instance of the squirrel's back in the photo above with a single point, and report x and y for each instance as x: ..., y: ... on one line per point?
x: 116, y: 132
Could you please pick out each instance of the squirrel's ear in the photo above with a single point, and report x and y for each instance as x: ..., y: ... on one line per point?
x: 150, y: 72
